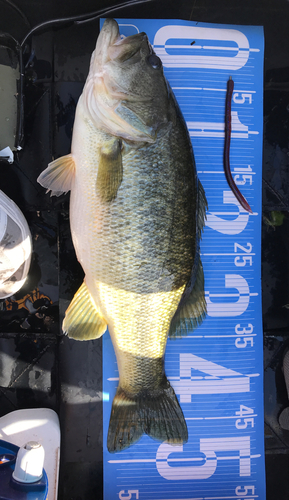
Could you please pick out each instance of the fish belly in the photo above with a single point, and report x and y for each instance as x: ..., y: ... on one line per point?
x: 138, y: 325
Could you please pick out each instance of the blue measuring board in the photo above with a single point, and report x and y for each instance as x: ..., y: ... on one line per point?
x: 217, y: 370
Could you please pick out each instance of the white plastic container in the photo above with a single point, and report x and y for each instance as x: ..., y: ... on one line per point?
x: 15, y: 247
x: 29, y: 463
x: 41, y: 425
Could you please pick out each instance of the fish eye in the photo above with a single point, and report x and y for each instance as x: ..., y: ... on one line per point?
x: 154, y: 61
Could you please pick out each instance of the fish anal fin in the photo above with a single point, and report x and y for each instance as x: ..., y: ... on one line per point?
x: 110, y: 170
x: 154, y: 412
x: 58, y: 176
x: 192, y: 308
x: 82, y: 320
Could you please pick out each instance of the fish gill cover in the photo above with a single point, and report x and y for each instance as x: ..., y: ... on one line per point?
x: 217, y: 370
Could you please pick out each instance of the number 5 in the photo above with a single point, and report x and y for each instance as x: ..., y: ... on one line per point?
x: 242, y: 263
x: 241, y: 100
x: 244, y: 425
x: 123, y: 496
x: 243, y: 342
x: 245, y: 491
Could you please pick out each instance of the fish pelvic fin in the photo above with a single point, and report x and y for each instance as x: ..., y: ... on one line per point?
x: 58, y: 176
x: 153, y: 412
x: 192, y: 308
x: 82, y: 320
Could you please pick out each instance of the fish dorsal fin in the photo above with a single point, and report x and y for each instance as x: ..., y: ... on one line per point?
x: 58, y: 176
x: 109, y: 175
x: 192, y: 310
x: 202, y: 207
x: 82, y: 320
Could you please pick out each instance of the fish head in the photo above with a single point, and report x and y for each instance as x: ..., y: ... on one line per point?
x: 126, y: 93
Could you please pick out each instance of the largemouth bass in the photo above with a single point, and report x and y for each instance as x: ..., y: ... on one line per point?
x: 136, y: 213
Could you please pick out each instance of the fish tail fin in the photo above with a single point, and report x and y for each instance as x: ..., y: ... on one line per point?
x: 163, y: 416
x: 156, y: 413
x: 124, y: 426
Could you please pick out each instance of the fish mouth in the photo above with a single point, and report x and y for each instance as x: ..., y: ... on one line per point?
x: 108, y: 36
x: 111, y: 46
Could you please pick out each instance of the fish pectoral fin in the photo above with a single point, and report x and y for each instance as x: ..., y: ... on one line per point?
x: 192, y: 310
x: 136, y: 127
x: 58, y: 176
x: 82, y: 320
x: 110, y: 170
